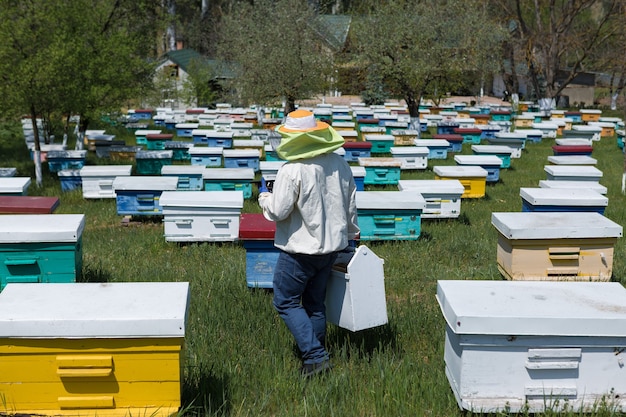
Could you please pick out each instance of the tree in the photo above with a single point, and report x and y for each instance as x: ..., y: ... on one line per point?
x: 556, y: 39
x: 58, y: 59
x: 199, y: 88
x: 424, y: 48
x: 277, y: 52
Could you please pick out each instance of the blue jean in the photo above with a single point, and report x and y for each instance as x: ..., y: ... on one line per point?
x: 299, y: 298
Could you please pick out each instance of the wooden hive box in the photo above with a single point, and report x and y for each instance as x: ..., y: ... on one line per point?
x: 555, y: 245
x: 110, y: 349
x: 530, y: 346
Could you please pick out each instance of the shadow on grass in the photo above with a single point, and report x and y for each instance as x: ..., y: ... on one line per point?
x: 363, y: 343
x: 205, y: 394
x: 94, y: 274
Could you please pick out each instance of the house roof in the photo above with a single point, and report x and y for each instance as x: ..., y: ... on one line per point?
x: 184, y: 57
x: 333, y: 29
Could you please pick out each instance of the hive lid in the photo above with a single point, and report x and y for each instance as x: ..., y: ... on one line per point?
x: 154, y: 154
x: 533, y: 308
x: 108, y: 170
x: 145, y: 183
x: 432, y: 186
x: 379, y: 137
x: 460, y: 171
x: 254, y: 226
x: 481, y: 160
x: 389, y: 200
x: 409, y: 150
x: 512, y: 135
x: 492, y: 149
x: 28, y: 228
x: 573, y: 170
x: 228, y: 174
x: 573, y: 184
x: 14, y: 184
x: 67, y: 154
x: 563, y: 197
x: 205, y: 150
x: 271, y: 165
x: 205, y: 199
x: 220, y: 134
x: 572, y: 160
x: 145, y: 132
x: 182, y: 169
x: 94, y: 310
x: 555, y: 225
x: 242, y: 153
x: 432, y: 143
x: 357, y: 171
x: 573, y: 141
x: 380, y: 162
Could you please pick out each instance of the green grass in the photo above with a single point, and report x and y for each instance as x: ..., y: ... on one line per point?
x: 240, y: 360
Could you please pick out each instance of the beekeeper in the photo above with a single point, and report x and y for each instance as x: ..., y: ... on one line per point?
x: 313, y: 204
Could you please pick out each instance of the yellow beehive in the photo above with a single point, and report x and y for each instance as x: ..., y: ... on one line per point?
x: 109, y: 349
x: 472, y: 177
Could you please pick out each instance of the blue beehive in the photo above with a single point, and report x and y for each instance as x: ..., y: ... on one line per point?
x: 446, y: 127
x: 358, y: 173
x: 561, y: 200
x: 229, y: 179
x: 257, y: 235
x: 184, y: 130
x: 455, y: 141
x: 437, y: 148
x: 198, y: 136
x: 488, y: 131
x: 189, y: 176
x: 242, y: 158
x: 142, y: 114
x: 381, y: 171
x: 490, y: 163
x: 220, y: 138
x: 59, y: 160
x: 389, y: 215
x: 70, y: 179
x: 356, y: 150
x: 206, y: 156
x: 37, y: 248
x: 139, y: 195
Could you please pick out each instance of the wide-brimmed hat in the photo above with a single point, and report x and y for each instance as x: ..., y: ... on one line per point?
x: 301, y: 121
x: 305, y: 137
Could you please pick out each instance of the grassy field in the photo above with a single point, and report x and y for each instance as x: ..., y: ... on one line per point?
x: 240, y: 359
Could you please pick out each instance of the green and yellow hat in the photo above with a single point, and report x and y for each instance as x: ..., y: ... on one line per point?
x: 303, y: 136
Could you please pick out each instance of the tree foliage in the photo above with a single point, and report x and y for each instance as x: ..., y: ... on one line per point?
x: 555, y: 40
x: 425, y: 48
x: 278, y: 52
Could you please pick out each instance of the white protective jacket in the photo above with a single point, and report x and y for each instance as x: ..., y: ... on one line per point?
x: 313, y: 205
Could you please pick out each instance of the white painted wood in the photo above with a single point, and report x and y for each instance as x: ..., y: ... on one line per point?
x: 34, y: 228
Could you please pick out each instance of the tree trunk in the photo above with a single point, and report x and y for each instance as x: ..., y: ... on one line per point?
x: 413, y: 104
x: 37, y: 150
x: 290, y: 105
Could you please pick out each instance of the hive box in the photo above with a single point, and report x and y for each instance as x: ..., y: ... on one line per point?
x: 573, y: 172
x: 555, y: 246
x: 70, y: 179
x: 189, y: 176
x: 356, y: 150
x: 411, y: 157
x: 257, y: 235
x: 23, y: 204
x: 14, y: 185
x: 389, y: 215
x: 358, y: 173
x: 201, y: 216
x: 97, y: 180
x: 562, y: 199
x: 8, y: 172
x: 572, y: 160
x: 60, y: 160
x: 473, y: 178
x: 184, y: 130
x: 355, y: 296
x: 151, y: 162
x: 123, y: 153
x: 573, y: 141
x: 40, y: 248
x: 501, y: 151
x: 137, y: 195
x: 548, y: 129
x: 442, y: 197
x: 180, y: 150
x: 229, y: 179
x: 381, y: 143
x: 206, y: 156
x: 590, y: 115
x: 470, y: 134
x: 142, y: 134
x: 269, y: 169
x: 490, y: 163
x: 257, y: 144
x: 516, y: 145
x: 404, y: 137
x: 455, y: 141
x: 92, y: 349
x: 156, y: 141
x: 381, y: 170
x: 437, y: 148
x: 533, y: 346
x: 572, y: 150
x: 573, y: 184
x: 242, y: 158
